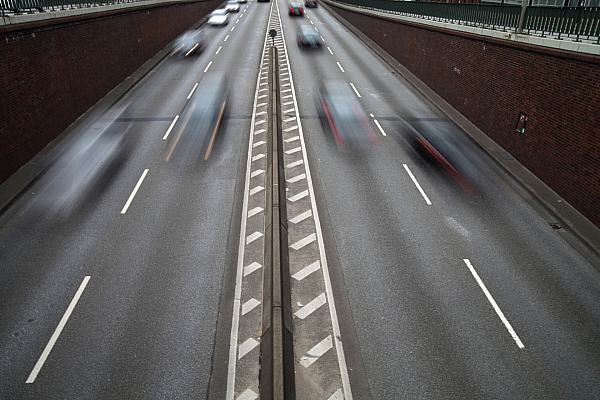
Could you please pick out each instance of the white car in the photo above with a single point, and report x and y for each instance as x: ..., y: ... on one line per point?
x: 232, y: 6
x: 219, y: 17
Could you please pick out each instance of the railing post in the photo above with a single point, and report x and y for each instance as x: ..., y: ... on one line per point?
x: 522, y: 16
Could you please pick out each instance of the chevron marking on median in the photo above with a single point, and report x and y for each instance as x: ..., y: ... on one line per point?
x: 295, y: 164
x: 246, y: 347
x: 292, y: 139
x: 301, y: 217
x: 252, y: 237
x: 256, y: 173
x: 294, y: 150
x: 256, y: 189
x: 257, y: 157
x: 297, y: 178
x: 259, y: 143
x: 304, y: 242
x: 338, y: 395
x: 291, y: 128
x: 306, y: 271
x: 298, y: 196
x: 316, y: 352
x: 254, y: 211
x: 251, y: 268
x: 248, y: 395
x: 311, y: 307
x: 250, y: 305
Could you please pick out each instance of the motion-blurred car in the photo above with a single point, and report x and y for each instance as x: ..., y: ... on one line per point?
x: 308, y: 37
x: 219, y: 17
x: 189, y: 43
x: 436, y: 142
x: 344, y: 115
x: 232, y: 6
x: 310, y: 3
x: 200, y: 120
x: 296, y: 9
x: 88, y: 164
x: 242, y: 1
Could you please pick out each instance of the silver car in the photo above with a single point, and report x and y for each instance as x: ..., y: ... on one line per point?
x: 219, y: 17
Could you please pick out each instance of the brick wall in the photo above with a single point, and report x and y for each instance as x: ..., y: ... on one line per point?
x: 490, y: 82
x: 51, y: 74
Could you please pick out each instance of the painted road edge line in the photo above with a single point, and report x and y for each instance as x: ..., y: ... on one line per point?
x: 329, y: 290
x: 63, y: 321
x: 494, y: 304
x: 235, y: 318
x: 408, y: 171
x: 135, y: 189
x: 172, y: 125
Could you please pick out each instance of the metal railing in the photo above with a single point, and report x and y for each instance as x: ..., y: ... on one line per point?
x: 20, y: 6
x: 575, y: 23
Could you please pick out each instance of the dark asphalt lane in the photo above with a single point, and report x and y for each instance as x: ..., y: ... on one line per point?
x: 424, y: 327
x: 145, y: 325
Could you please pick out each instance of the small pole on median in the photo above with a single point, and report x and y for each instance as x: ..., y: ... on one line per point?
x: 273, y: 33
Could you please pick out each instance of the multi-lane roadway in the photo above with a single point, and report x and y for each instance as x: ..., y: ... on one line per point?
x: 438, y: 293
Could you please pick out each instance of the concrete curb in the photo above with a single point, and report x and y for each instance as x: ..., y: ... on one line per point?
x: 582, y: 230
x: 27, y: 175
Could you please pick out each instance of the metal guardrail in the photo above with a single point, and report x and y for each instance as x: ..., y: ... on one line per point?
x: 20, y: 6
x: 573, y: 22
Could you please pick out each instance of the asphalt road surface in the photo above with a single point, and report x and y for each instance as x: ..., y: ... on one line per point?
x: 440, y: 294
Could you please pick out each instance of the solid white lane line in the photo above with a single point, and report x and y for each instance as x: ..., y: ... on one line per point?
x: 191, y: 50
x: 219, y: 49
x: 340, y: 66
x: 312, y: 306
x: 208, y: 66
x: 330, y: 52
x: 189, y: 96
x: 355, y: 91
x: 135, y: 189
x: 417, y: 184
x: 226, y: 37
x: 380, y: 128
x: 63, y: 321
x: 493, y: 303
x: 171, y: 127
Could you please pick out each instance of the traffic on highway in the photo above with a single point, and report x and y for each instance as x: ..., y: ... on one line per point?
x: 134, y: 266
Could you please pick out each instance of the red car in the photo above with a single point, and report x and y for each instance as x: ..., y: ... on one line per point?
x: 296, y: 9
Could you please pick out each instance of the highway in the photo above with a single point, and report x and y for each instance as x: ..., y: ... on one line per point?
x: 439, y: 293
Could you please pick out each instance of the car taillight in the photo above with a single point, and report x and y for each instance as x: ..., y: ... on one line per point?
x: 292, y: 9
x: 301, y: 9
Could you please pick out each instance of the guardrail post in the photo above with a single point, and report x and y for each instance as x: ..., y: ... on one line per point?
x: 522, y: 16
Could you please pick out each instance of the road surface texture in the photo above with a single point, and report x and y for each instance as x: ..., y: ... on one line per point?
x: 439, y: 293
